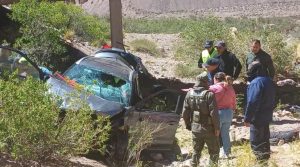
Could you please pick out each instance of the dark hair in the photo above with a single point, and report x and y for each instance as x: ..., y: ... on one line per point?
x: 255, y: 70
x: 256, y: 41
x: 222, y: 77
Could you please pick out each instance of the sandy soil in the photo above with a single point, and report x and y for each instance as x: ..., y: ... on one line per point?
x: 187, y: 8
x: 162, y: 66
x: 281, y: 154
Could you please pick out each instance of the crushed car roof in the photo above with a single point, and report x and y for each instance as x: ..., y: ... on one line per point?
x: 109, y: 65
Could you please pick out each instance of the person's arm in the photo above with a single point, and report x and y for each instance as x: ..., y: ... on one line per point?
x: 270, y: 66
x: 238, y: 67
x: 186, y: 113
x: 254, y: 95
x: 213, y: 110
x: 213, y: 88
x: 200, y: 61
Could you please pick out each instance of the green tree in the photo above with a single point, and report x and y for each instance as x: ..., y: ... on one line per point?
x: 45, y: 23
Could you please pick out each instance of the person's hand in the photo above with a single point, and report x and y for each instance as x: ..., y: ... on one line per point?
x: 217, y: 133
x: 247, y: 124
x: 188, y: 127
x: 186, y: 90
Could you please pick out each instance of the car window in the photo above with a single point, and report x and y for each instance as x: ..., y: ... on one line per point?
x: 11, y: 61
x: 104, y: 85
x: 164, y: 102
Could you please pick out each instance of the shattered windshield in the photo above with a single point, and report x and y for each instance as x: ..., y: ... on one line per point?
x: 101, y: 84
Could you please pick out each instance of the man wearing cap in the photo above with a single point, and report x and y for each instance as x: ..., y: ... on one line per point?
x: 212, y: 66
x: 200, y: 115
x: 257, y: 54
x: 229, y: 63
x: 207, y: 53
x: 259, y: 110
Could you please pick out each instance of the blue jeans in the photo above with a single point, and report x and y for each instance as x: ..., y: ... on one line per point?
x: 226, y: 116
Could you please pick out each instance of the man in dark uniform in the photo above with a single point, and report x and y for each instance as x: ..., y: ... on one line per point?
x: 229, y: 63
x: 212, y: 66
x: 200, y: 115
x: 257, y: 54
x: 259, y: 110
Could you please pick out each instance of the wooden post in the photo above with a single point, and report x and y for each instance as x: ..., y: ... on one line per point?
x: 116, y: 27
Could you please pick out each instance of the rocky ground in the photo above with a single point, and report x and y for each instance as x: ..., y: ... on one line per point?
x: 164, y: 67
x: 196, y: 8
x: 8, y: 161
x: 283, y: 154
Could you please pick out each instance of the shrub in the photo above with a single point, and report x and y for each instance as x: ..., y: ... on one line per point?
x: 45, y: 23
x: 238, y: 42
x: 190, y: 57
x: 140, y: 137
x: 187, y: 70
x: 240, y: 98
x: 145, y: 46
x: 163, y: 25
x: 29, y: 127
x: 244, y: 155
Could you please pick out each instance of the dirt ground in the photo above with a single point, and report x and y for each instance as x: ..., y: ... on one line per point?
x: 164, y: 67
x: 196, y: 8
x: 282, y: 155
x: 8, y: 161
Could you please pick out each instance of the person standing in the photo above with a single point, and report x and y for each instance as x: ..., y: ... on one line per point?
x: 207, y: 53
x: 201, y: 116
x: 212, y: 66
x: 226, y: 102
x: 229, y: 63
x: 259, y: 110
x: 257, y: 54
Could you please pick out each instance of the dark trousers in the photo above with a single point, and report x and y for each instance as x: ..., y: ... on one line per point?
x: 260, y: 141
x: 212, y: 142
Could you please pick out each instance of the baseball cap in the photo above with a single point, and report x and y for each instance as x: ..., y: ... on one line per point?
x: 202, y: 80
x: 208, y: 44
x: 220, y: 44
x: 211, y: 62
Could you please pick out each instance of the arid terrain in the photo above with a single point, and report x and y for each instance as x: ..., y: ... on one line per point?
x: 197, y: 8
x: 164, y: 66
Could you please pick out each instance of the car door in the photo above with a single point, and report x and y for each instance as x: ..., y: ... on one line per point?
x: 12, y: 60
x: 161, y: 111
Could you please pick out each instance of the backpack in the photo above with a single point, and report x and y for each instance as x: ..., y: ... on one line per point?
x: 198, y: 103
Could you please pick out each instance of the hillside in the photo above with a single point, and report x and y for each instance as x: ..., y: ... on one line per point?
x: 180, y: 8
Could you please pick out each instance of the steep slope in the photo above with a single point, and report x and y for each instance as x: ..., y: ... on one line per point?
x: 180, y: 8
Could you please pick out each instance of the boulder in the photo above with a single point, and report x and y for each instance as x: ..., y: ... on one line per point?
x: 287, y: 82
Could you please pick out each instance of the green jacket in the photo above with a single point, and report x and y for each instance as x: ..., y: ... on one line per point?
x: 265, y: 60
x: 189, y: 110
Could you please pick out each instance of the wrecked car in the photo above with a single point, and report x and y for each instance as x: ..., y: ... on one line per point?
x: 113, y: 79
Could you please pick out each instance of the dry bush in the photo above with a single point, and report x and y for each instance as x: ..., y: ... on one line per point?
x: 140, y: 138
x: 145, y: 46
